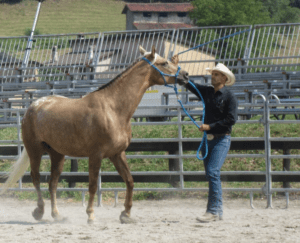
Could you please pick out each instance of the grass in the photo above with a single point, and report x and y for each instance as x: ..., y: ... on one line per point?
x: 62, y: 16
x: 231, y: 164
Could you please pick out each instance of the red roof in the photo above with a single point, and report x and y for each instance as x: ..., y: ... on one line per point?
x: 159, y: 26
x: 157, y: 7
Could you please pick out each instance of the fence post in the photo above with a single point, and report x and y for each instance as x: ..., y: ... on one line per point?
x: 175, y: 41
x: 99, y: 193
x: 92, y: 70
x: 248, y: 99
x: 180, y: 147
x: 27, y: 97
x: 98, y: 50
x: 239, y: 68
x: 286, y: 166
x: 174, y: 165
x: 19, y: 78
x: 19, y: 132
x: 30, y: 38
x: 19, y: 142
x: 74, y: 168
x: 268, y: 153
x: 5, y: 113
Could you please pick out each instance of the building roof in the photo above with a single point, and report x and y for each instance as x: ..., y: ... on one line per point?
x: 157, y: 7
x: 159, y: 26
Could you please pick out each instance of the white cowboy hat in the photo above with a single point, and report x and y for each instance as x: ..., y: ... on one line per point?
x: 223, y: 69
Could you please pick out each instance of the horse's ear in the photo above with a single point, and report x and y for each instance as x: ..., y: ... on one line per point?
x: 153, y: 52
x: 142, y: 50
x: 175, y: 59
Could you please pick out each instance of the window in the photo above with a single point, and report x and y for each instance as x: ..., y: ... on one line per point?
x: 163, y: 14
x: 147, y: 14
x: 181, y: 15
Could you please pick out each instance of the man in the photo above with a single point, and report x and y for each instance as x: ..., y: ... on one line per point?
x: 220, y: 114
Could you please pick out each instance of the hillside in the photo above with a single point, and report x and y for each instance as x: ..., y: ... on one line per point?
x: 62, y: 16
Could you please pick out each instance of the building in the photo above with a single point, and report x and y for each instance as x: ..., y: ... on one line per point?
x: 143, y: 16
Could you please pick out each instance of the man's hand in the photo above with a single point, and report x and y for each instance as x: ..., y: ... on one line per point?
x: 204, y: 127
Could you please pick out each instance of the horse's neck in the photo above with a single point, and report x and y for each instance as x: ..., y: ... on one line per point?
x: 125, y: 93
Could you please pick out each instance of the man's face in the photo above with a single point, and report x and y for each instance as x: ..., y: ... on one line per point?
x: 218, y: 78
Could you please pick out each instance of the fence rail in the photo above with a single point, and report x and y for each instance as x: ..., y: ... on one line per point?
x: 179, y: 173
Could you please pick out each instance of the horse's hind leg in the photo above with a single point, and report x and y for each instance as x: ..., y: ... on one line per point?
x: 35, y: 161
x: 57, y: 163
x: 121, y: 165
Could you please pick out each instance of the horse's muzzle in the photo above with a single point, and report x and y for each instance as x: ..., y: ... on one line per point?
x: 183, y: 78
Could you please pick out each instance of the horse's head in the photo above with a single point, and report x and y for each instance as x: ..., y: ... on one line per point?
x: 167, y: 69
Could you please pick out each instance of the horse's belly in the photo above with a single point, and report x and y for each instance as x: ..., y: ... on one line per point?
x: 71, y: 143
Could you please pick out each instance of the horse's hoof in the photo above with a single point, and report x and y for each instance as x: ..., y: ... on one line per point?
x: 91, y: 218
x: 91, y: 221
x: 125, y: 218
x: 38, y: 214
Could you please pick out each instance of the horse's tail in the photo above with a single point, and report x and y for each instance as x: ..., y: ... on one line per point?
x: 16, y: 171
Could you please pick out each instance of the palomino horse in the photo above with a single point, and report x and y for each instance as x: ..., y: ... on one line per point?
x: 96, y: 126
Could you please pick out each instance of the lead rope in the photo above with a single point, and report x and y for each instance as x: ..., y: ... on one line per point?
x: 222, y: 38
x: 204, y: 139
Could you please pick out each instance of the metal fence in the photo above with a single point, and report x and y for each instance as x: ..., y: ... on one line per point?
x: 217, y: 49
x: 261, y: 48
x: 274, y: 48
x: 265, y: 108
x: 73, y: 64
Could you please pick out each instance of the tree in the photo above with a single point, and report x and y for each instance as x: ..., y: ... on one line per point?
x: 233, y: 12
x: 295, y: 3
x: 281, y: 12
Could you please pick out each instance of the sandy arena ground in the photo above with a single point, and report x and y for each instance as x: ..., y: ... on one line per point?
x: 157, y: 221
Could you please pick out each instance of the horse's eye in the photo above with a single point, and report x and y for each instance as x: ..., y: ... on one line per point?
x: 165, y: 64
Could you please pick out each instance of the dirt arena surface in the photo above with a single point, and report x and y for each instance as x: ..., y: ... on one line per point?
x: 157, y: 221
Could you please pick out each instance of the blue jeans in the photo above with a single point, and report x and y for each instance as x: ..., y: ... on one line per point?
x: 217, y: 151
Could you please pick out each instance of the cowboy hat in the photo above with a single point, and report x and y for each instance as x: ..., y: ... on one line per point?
x: 224, y: 70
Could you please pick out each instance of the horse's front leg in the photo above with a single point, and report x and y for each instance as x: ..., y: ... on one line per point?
x: 122, y: 167
x: 94, y: 167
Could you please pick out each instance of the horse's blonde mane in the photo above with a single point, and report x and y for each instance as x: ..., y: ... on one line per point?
x: 119, y: 76
x: 123, y: 74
